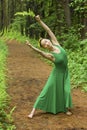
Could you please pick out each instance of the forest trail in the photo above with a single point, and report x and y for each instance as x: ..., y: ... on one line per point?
x: 27, y: 75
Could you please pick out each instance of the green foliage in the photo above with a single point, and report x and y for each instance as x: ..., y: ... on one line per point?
x: 79, y: 5
x: 78, y: 65
x: 57, y: 16
x: 12, y: 34
x: 20, y: 21
x: 3, y: 95
x: 70, y: 40
x: 25, y: 13
x: 17, y: 22
x: 5, y: 123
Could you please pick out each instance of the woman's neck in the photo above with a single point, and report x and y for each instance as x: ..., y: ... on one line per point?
x: 55, y: 49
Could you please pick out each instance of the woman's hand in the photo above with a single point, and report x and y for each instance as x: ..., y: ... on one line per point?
x: 37, y: 18
x: 28, y: 43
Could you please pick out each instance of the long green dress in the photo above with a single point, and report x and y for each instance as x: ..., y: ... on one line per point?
x: 56, y: 94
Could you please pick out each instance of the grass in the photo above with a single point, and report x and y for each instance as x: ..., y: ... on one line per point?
x: 5, y: 121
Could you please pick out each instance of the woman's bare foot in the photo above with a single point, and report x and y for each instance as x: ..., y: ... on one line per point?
x: 69, y: 113
x: 30, y: 115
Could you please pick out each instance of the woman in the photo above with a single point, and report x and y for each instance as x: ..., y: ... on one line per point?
x: 55, y: 96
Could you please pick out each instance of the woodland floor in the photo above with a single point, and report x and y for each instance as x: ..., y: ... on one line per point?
x: 27, y: 75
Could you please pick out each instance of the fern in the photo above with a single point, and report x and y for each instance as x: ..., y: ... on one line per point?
x: 25, y: 13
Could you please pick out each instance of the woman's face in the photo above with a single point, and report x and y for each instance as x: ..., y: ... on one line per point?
x: 46, y: 43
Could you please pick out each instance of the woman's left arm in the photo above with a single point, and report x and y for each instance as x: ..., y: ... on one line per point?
x: 51, y: 34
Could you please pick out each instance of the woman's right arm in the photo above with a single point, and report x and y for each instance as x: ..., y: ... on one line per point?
x: 48, y: 56
x: 51, y: 34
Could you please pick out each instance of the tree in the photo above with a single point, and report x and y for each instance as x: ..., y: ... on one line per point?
x: 67, y: 12
x: 4, y: 14
x: 60, y: 15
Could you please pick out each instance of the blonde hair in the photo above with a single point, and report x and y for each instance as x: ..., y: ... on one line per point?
x: 39, y: 43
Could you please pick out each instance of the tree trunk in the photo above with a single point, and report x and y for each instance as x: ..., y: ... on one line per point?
x: 1, y: 15
x: 84, y: 30
x: 5, y: 14
x: 66, y: 7
x: 11, y: 10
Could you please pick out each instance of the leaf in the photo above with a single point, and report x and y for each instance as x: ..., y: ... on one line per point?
x: 25, y: 13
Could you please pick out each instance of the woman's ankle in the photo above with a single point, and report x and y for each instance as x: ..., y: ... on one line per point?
x: 32, y: 113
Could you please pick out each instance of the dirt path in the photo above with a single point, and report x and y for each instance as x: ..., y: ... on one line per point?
x: 28, y: 75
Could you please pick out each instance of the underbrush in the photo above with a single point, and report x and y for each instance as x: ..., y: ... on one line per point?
x: 78, y: 68
x: 5, y: 117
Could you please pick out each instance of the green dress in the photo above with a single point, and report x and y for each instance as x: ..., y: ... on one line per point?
x: 56, y: 94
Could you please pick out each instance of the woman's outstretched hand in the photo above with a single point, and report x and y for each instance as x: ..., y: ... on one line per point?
x: 28, y: 43
x: 37, y: 18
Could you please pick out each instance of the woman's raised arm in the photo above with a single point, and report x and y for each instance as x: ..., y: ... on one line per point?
x: 51, y: 34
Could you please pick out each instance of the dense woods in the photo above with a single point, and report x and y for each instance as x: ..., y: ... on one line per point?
x: 66, y: 18
x: 61, y: 15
